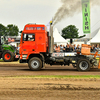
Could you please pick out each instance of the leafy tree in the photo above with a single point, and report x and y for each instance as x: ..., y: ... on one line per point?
x: 12, y: 30
x: 3, y: 30
x: 71, y: 32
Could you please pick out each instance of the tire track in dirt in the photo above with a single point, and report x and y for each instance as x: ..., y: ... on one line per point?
x: 13, y: 83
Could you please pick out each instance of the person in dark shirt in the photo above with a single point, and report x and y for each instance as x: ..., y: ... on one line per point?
x: 92, y: 48
x: 68, y: 48
x: 64, y: 49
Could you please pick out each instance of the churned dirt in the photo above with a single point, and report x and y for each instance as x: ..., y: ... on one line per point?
x: 49, y: 89
x: 27, y: 88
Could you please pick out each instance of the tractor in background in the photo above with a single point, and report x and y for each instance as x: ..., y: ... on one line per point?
x: 7, y: 52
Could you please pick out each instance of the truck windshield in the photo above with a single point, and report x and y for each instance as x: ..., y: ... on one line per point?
x: 28, y: 37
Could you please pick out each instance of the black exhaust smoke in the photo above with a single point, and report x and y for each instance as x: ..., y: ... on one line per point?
x: 71, y: 7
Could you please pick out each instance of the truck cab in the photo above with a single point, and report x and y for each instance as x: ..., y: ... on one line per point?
x: 34, y: 41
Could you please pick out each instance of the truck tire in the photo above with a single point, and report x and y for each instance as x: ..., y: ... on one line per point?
x: 83, y: 65
x: 35, y: 64
x: 8, y: 56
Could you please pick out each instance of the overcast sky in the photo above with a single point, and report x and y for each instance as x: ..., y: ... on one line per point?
x: 21, y: 12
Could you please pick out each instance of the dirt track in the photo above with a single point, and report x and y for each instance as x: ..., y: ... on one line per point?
x: 14, y: 68
x: 48, y: 89
x: 16, y: 88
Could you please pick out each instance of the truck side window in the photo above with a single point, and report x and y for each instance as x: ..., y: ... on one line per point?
x: 28, y: 37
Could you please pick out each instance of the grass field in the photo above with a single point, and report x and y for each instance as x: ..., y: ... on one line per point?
x: 1, y: 60
x: 57, y: 76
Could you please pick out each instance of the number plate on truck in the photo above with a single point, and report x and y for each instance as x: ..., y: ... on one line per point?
x: 57, y: 54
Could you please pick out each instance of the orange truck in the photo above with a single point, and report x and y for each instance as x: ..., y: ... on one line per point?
x: 36, y: 49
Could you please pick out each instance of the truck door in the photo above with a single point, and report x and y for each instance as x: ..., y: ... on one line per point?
x: 28, y: 44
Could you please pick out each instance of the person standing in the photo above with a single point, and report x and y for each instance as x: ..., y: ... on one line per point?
x: 57, y: 49
x: 78, y: 48
x: 97, y: 47
x: 92, y: 48
x: 61, y: 48
x: 74, y: 47
x: 68, y: 48
x: 64, y: 49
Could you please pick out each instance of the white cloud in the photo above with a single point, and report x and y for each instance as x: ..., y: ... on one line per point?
x: 21, y: 12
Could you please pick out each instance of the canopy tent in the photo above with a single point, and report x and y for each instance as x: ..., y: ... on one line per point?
x: 96, y: 38
x: 58, y: 39
x: 91, y: 35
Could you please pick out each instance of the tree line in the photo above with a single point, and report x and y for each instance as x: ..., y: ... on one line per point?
x: 9, y: 30
x: 12, y: 30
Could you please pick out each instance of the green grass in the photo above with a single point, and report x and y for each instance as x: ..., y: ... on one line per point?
x: 1, y: 60
x: 57, y: 76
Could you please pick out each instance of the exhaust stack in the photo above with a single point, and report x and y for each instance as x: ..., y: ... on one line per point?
x: 51, y: 39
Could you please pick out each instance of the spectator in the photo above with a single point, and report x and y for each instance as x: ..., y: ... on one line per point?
x: 71, y: 47
x: 64, y: 49
x: 97, y: 47
x: 66, y: 45
x: 54, y: 46
x: 61, y: 48
x: 68, y: 48
x: 74, y: 47
x: 92, y: 48
x: 57, y: 49
x: 78, y: 48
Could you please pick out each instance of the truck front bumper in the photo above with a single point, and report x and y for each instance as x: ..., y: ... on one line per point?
x: 23, y: 61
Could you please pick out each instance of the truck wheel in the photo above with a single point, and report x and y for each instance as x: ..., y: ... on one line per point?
x: 35, y: 64
x: 8, y: 56
x: 83, y: 65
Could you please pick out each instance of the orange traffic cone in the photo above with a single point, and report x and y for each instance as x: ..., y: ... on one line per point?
x: 99, y: 63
